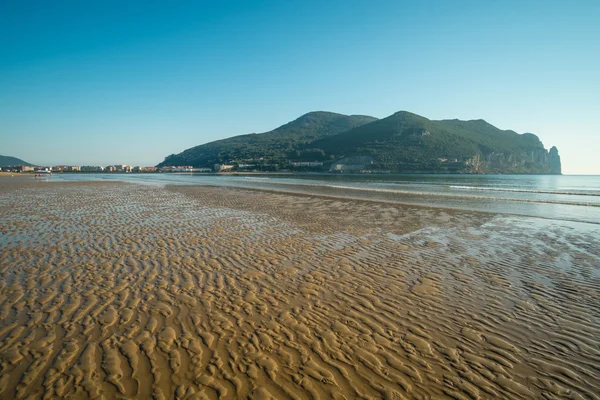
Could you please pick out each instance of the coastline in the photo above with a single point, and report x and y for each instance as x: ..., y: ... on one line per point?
x: 571, y: 198
x: 237, y: 293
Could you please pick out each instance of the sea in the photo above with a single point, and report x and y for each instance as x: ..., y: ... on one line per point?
x: 573, y: 198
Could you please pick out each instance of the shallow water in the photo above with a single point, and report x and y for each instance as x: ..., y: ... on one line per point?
x: 563, y: 197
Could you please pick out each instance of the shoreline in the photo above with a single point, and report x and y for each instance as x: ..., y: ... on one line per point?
x: 409, y: 199
x: 300, y: 173
x: 395, y: 203
x: 405, y: 204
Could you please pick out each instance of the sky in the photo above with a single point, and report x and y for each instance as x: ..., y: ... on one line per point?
x: 113, y: 82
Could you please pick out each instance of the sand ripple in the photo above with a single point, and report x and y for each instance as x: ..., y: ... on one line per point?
x: 125, y: 291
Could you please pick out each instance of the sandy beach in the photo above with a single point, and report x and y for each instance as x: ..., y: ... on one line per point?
x: 118, y: 290
x: 16, y: 177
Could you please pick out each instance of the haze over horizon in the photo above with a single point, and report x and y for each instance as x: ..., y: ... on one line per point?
x: 108, y: 83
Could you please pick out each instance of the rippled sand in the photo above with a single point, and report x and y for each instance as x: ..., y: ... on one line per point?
x: 130, y: 291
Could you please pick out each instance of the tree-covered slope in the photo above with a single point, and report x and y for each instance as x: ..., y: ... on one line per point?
x: 409, y: 142
x: 402, y: 142
x: 278, y: 144
x: 7, y: 161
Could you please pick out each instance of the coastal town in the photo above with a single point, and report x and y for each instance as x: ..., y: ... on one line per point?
x: 123, y: 168
x: 356, y: 164
x: 119, y: 168
x: 313, y: 166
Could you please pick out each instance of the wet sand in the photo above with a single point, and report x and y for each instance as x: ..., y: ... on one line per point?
x: 14, y: 177
x: 119, y: 290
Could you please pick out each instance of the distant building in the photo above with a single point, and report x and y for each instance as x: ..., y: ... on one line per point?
x: 222, y: 167
x: 351, y: 164
x: 42, y: 169
x: 122, y: 168
x: 17, y: 168
x: 91, y: 168
x: 307, y: 163
x: 184, y: 168
x: 110, y: 168
x: 144, y: 169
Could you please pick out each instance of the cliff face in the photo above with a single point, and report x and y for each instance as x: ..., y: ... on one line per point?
x: 554, y: 161
x: 538, y: 161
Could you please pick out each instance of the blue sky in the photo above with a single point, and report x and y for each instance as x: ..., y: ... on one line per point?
x: 131, y: 82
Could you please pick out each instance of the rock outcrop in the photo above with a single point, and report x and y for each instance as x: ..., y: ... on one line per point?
x: 554, y: 161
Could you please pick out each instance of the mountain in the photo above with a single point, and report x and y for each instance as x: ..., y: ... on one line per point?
x: 6, y: 161
x: 278, y: 144
x: 407, y: 142
x: 402, y: 142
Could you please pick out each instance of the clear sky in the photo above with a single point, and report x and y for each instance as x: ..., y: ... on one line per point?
x: 104, y: 82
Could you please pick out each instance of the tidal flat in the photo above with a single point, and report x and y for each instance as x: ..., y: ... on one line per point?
x: 120, y: 290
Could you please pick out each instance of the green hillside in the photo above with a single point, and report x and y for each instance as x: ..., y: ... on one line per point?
x: 402, y: 142
x: 7, y: 161
x: 407, y: 142
x: 289, y: 140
